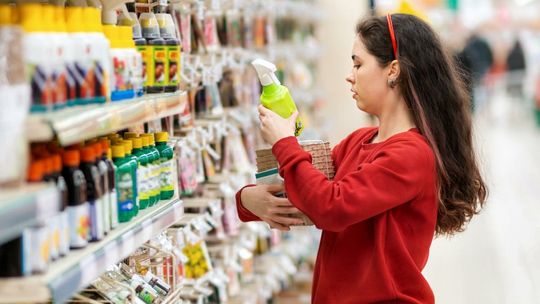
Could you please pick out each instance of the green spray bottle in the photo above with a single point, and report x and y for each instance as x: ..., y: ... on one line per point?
x: 124, y: 178
x: 275, y: 96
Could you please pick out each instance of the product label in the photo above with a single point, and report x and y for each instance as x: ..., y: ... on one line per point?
x: 40, y: 249
x: 155, y: 178
x: 106, y: 197
x: 147, y: 297
x: 42, y: 85
x: 64, y: 232
x: 71, y: 86
x: 85, y: 79
x: 96, y: 219
x: 174, y: 68
x: 113, y: 207
x: 120, y: 73
x: 143, y: 50
x: 124, y: 187
x: 160, y: 59
x: 142, y: 183
x: 79, y: 222
x: 60, y: 86
x: 54, y: 235
x: 166, y: 177
x: 100, y: 79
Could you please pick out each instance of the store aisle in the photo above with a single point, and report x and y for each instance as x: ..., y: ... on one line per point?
x: 497, y: 260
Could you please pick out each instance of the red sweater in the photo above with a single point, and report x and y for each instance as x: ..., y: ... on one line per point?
x: 378, y: 216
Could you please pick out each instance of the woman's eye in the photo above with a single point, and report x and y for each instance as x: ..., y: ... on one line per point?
x: 356, y: 66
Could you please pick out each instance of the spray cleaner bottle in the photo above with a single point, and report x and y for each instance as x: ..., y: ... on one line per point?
x: 275, y: 96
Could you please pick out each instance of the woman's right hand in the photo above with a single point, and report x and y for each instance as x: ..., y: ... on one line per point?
x: 276, y: 211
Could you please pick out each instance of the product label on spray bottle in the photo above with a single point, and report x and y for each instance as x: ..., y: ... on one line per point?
x: 166, y: 176
x: 113, y: 205
x: 125, y: 193
x: 160, y: 60
x: 145, y: 52
x: 173, y: 55
x: 96, y: 221
x: 79, y: 219
x: 42, y: 87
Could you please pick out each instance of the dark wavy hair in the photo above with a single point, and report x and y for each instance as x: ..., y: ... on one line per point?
x: 436, y: 95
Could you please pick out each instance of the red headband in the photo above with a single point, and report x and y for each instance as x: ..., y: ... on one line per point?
x: 392, y: 34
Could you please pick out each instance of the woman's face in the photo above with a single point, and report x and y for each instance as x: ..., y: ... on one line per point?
x: 368, y: 80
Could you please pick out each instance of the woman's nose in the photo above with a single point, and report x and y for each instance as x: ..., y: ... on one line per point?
x: 350, y: 79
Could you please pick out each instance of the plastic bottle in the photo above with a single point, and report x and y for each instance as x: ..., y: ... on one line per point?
x: 100, y: 54
x: 132, y: 159
x: 84, y: 69
x: 275, y: 96
x: 155, y: 57
x: 124, y: 184
x: 78, y: 208
x: 121, y: 87
x: 66, y: 47
x: 172, y: 67
x: 142, y: 169
x: 94, y: 192
x: 104, y: 182
x: 155, y: 171
x: 63, y: 236
x: 57, y: 42
x: 144, y: 291
x: 38, y: 236
x: 166, y: 155
x: 152, y: 198
x: 37, y: 51
x: 158, y: 284
x: 112, y: 200
x: 53, y: 223
x: 135, y: 59
x: 142, y: 48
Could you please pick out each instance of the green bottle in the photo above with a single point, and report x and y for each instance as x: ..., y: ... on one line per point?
x: 123, y: 175
x: 155, y: 170
x: 132, y: 159
x: 142, y: 169
x: 166, y: 155
x: 275, y: 96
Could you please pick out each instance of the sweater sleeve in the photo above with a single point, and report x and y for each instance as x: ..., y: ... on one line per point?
x: 392, y: 178
x: 243, y: 213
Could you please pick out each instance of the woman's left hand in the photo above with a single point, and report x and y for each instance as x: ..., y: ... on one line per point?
x: 275, y: 127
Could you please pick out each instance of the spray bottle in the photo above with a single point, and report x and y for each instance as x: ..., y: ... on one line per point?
x: 172, y: 66
x: 275, y: 96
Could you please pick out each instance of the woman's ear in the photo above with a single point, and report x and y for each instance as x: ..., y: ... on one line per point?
x: 393, y: 71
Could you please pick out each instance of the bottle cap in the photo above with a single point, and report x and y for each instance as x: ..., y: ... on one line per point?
x: 49, y: 25
x: 137, y: 142
x: 128, y: 135
x: 149, y: 25
x: 74, y: 19
x: 162, y: 137
x: 60, y: 19
x: 166, y: 25
x: 31, y: 17
x: 88, y: 154
x: 92, y: 19
x: 145, y: 141
x: 128, y: 146
x: 104, y: 142
x: 6, y: 14
x: 118, y: 151
x: 49, y: 165
x: 57, y: 163
x: 35, y: 171
x: 71, y: 158
x: 98, y: 149
x: 150, y: 136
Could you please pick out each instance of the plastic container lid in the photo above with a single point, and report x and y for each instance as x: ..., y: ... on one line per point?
x: 126, y: 36
x: 129, y: 135
x: 92, y: 19
x: 49, y: 165
x: 49, y: 25
x: 6, y: 14
x: 145, y: 141
x: 149, y: 25
x: 137, y: 142
x: 128, y: 146
x: 88, y: 154
x: 104, y: 142
x: 112, y: 33
x: 57, y: 163
x: 150, y: 138
x: 31, y: 17
x: 71, y: 158
x: 35, y: 171
x: 162, y: 137
x: 98, y: 149
x: 166, y: 25
x: 118, y: 151
x: 74, y: 19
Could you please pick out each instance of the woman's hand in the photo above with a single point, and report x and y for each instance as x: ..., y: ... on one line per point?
x: 275, y: 211
x: 275, y: 127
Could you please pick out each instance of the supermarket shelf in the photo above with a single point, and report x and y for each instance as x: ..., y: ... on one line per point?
x: 73, y: 125
x: 77, y: 270
x: 26, y: 206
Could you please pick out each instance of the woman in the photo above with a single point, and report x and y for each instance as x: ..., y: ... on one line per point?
x: 397, y: 185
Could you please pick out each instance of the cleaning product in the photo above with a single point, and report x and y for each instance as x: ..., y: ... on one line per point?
x: 94, y: 192
x: 104, y: 182
x: 142, y: 48
x: 153, y: 196
x: 38, y: 236
x: 132, y: 160
x: 37, y: 54
x: 133, y: 40
x: 58, y: 60
x: 166, y: 155
x: 155, y: 172
x: 275, y: 96
x: 99, y: 54
x: 63, y: 236
x: 121, y: 87
x: 53, y: 223
x: 124, y: 184
x: 172, y: 65
x: 134, y: 59
x: 155, y: 54
x: 113, y: 204
x: 78, y: 208
x: 66, y: 53
x: 142, y: 169
x: 84, y: 68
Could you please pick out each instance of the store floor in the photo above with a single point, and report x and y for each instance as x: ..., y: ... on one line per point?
x: 497, y: 259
